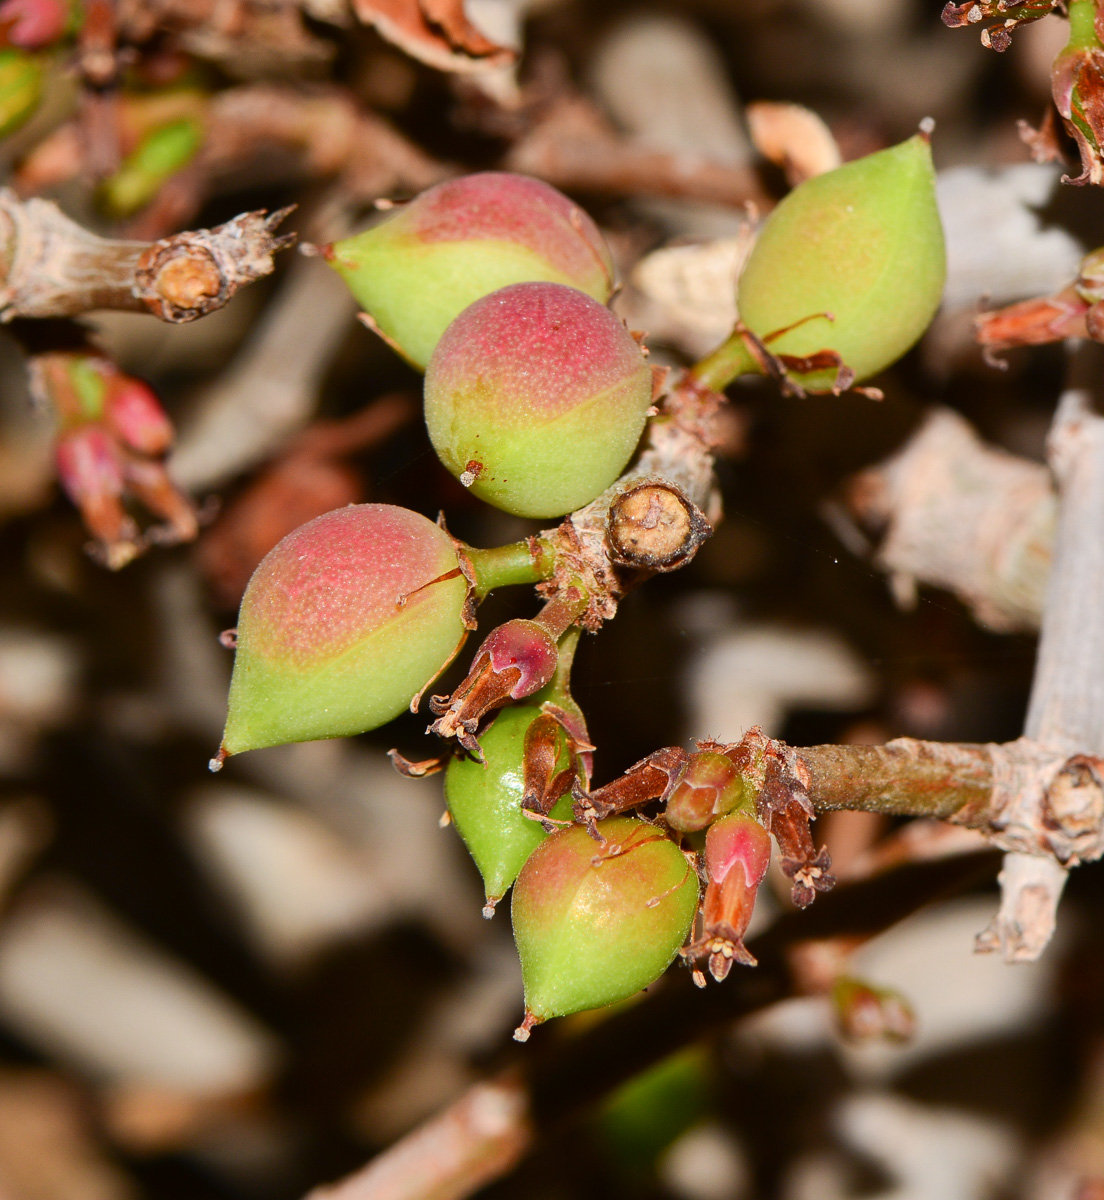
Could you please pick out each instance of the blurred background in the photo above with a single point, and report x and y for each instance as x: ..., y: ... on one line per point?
x: 237, y: 987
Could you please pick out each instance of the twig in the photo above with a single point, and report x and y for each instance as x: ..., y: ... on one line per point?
x: 1066, y: 710
x: 53, y: 267
x: 574, y: 148
x: 477, y: 1139
x: 562, y: 1074
x: 678, y: 455
x: 962, y: 516
x: 271, y: 388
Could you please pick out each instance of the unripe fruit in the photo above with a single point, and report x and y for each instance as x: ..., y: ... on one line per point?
x: 708, y: 787
x: 596, y: 922
x: 485, y: 800
x: 417, y: 271
x: 343, y: 623
x: 536, y: 397
x: 864, y: 243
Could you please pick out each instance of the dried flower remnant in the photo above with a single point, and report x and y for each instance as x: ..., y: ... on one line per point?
x: 737, y: 854
x: 1008, y: 17
x: 1075, y: 311
x: 514, y: 661
x: 1077, y: 80
x: 112, y: 439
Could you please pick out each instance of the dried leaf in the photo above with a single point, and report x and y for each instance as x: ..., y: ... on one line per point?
x: 794, y: 138
x: 436, y: 32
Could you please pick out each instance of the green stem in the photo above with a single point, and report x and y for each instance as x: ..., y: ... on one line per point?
x: 720, y: 367
x: 559, y: 689
x: 1082, y: 30
x: 502, y: 566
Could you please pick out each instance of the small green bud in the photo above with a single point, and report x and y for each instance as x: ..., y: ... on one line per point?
x: 418, y: 270
x: 862, y: 242
x: 536, y: 397
x: 343, y: 623
x: 595, y: 922
x: 20, y: 89
x: 485, y: 800
x: 159, y: 155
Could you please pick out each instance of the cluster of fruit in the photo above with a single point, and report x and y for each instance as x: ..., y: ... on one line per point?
x: 536, y: 397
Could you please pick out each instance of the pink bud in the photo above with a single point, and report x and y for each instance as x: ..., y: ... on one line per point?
x: 737, y: 854
x: 88, y: 464
x: 527, y: 646
x: 34, y: 23
x: 515, y: 660
x: 136, y: 415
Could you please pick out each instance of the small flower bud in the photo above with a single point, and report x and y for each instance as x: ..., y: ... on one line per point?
x: 864, y: 1012
x: 708, y: 787
x: 419, y: 269
x: 862, y: 243
x: 596, y: 922
x: 136, y: 416
x: 32, y: 24
x: 485, y: 799
x: 514, y: 661
x: 344, y: 622
x: 88, y: 464
x: 536, y: 396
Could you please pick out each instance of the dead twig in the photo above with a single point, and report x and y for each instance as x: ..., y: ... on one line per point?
x: 53, y: 267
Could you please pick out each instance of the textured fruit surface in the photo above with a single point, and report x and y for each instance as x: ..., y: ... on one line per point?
x: 485, y: 802
x: 418, y: 270
x: 324, y: 647
x: 596, y: 923
x: 863, y: 242
x: 536, y: 396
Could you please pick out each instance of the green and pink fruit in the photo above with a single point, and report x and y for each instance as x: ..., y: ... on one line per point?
x: 595, y: 922
x: 485, y: 800
x: 536, y: 397
x: 863, y: 242
x: 343, y: 623
x: 708, y: 787
x: 418, y: 270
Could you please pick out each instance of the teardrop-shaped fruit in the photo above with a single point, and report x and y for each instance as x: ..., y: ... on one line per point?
x: 862, y: 242
x: 536, y: 397
x: 342, y: 624
x: 596, y: 922
x: 418, y: 270
x: 485, y: 800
